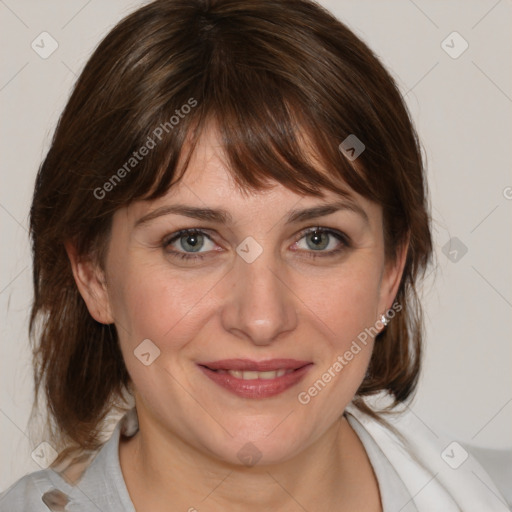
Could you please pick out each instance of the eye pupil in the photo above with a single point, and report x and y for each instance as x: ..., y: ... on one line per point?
x: 320, y: 240
x: 193, y: 240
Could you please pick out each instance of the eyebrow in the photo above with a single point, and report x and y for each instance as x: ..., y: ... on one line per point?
x: 224, y: 217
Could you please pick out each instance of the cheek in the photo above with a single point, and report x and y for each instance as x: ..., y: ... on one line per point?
x: 344, y: 307
x: 346, y: 300
x: 151, y: 301
x: 151, y: 305
x: 158, y: 302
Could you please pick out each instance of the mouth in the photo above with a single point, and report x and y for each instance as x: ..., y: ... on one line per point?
x: 256, y: 379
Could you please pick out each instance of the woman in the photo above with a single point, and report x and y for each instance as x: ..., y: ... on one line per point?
x: 228, y: 231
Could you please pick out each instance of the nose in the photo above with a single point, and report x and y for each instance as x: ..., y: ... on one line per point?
x: 258, y: 306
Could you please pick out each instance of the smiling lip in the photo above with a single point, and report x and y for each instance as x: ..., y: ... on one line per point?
x: 255, y: 379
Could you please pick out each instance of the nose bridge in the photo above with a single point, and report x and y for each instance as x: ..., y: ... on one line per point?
x: 259, y: 305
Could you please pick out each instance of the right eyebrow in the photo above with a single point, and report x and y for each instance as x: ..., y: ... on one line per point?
x: 210, y: 214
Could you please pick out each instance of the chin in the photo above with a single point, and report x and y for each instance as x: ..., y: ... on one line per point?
x: 266, y: 443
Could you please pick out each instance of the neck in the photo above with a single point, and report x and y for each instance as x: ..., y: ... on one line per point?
x: 333, y: 473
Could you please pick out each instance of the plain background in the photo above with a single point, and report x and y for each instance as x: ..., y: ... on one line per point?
x: 462, y: 110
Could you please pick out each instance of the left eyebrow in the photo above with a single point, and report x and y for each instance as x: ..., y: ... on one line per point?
x: 224, y: 217
x: 326, y: 209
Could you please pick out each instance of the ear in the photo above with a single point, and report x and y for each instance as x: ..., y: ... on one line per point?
x: 91, y: 283
x: 392, y: 276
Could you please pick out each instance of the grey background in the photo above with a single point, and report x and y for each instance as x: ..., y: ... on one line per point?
x: 462, y: 109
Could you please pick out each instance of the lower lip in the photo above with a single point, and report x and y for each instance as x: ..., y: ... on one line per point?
x: 256, y: 388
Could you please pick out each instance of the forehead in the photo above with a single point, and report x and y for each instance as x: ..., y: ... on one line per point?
x: 208, y: 182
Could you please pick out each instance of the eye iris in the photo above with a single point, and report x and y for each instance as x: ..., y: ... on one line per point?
x: 193, y: 240
x: 321, y: 240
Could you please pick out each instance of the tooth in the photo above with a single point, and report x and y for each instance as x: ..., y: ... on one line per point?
x: 253, y: 375
x: 247, y: 375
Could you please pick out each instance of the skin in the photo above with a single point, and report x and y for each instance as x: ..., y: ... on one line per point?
x: 283, y: 305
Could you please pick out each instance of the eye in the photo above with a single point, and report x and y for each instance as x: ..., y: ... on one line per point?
x: 322, y: 242
x: 195, y: 244
x: 189, y: 243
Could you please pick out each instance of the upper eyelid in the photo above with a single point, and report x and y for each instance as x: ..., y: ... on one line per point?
x: 184, y: 231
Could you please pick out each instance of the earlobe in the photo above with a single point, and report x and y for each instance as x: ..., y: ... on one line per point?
x: 91, y: 283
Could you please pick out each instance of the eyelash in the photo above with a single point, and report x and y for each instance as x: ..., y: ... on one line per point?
x: 341, y: 237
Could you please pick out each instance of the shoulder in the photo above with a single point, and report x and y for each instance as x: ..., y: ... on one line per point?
x: 36, y: 492
x: 90, y: 477
x: 427, y: 458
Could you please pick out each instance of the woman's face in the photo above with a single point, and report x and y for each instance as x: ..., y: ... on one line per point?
x: 250, y: 287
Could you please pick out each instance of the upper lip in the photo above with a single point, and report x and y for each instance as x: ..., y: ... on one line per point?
x: 255, y: 366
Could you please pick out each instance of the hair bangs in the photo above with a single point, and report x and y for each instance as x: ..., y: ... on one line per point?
x: 265, y: 139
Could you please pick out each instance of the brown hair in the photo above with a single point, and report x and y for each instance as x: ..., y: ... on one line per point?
x: 268, y: 72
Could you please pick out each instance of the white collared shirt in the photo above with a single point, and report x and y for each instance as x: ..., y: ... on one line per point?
x: 412, y: 477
